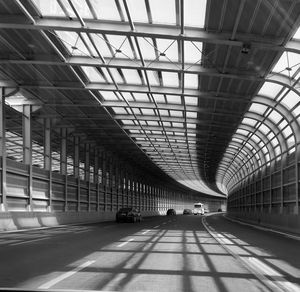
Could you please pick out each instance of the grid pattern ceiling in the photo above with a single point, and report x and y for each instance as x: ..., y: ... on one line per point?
x: 175, y: 76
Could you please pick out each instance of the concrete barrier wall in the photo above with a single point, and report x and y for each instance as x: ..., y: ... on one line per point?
x: 26, y: 220
x: 285, y: 222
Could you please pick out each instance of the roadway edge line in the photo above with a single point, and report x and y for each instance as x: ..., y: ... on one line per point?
x: 263, y: 279
x: 295, y: 237
x: 64, y: 276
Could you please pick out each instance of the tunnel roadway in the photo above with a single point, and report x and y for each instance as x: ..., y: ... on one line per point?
x: 178, y: 253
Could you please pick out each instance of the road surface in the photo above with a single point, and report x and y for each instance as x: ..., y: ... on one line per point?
x: 176, y: 253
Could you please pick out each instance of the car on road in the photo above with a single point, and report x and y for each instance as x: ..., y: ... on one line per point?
x: 187, y: 212
x: 128, y: 214
x: 171, y: 212
x: 198, y: 209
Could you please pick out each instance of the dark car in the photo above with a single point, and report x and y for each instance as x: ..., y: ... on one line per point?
x: 128, y: 215
x: 187, y: 212
x: 171, y: 212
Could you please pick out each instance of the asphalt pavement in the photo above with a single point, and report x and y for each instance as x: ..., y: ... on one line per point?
x: 183, y: 253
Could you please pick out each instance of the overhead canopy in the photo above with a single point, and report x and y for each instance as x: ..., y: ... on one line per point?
x: 175, y: 85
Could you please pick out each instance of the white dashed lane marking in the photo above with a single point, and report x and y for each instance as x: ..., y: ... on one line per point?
x: 66, y: 275
x: 124, y: 243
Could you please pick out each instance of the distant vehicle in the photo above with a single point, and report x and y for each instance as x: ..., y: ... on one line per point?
x: 171, y: 212
x: 128, y: 215
x: 187, y: 212
x: 198, y: 209
x: 219, y: 210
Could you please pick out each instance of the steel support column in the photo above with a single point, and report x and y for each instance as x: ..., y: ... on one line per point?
x: 48, y: 158
x: 27, y: 149
x: 3, y: 202
x: 63, y: 151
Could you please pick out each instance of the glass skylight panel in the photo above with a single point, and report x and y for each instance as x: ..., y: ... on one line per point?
x: 297, y: 34
x: 242, y: 132
x: 192, y: 115
x: 167, y: 49
x: 159, y: 98
x: 275, y: 117
x: 290, y: 100
x: 189, y: 100
x: 127, y: 96
x: 287, y: 132
x: 82, y: 8
x: 192, y: 53
x: 178, y: 125
x: 264, y: 129
x: 106, y: 9
x: 175, y: 99
x: 108, y: 95
x: 121, y: 46
x: 147, y: 48
x: 250, y: 122
x: 270, y: 89
x: 291, y: 141
x: 296, y: 111
x: 92, y: 74
x: 163, y: 112
x: 102, y: 45
x: 152, y: 123
x: 49, y: 8
x: 176, y: 113
x: 167, y: 124
x: 68, y: 38
x: 141, y: 97
x: 147, y: 111
x: 136, y: 111
x: 191, y: 126
x: 153, y: 78
x: 191, y: 80
x: 194, y: 13
x: 119, y: 110
x: 116, y: 75
x: 73, y: 42
x: 132, y: 76
x: 170, y: 79
x: 287, y: 64
x: 163, y: 11
x: 130, y: 122
x: 138, y: 11
x: 258, y: 108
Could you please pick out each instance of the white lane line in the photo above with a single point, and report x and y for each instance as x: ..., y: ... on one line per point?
x: 258, y: 268
x: 263, y: 228
x: 274, y: 275
x: 145, y: 232
x: 64, y: 276
x: 164, y: 223
x: 29, y: 241
x: 265, y: 269
x: 156, y: 226
x: 77, y: 232
x: 122, y: 244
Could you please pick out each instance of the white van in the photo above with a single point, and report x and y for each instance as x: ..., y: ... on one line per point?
x: 198, y: 209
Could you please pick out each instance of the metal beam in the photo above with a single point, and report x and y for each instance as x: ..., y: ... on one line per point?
x: 135, y: 64
x: 143, y: 30
x: 130, y: 88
